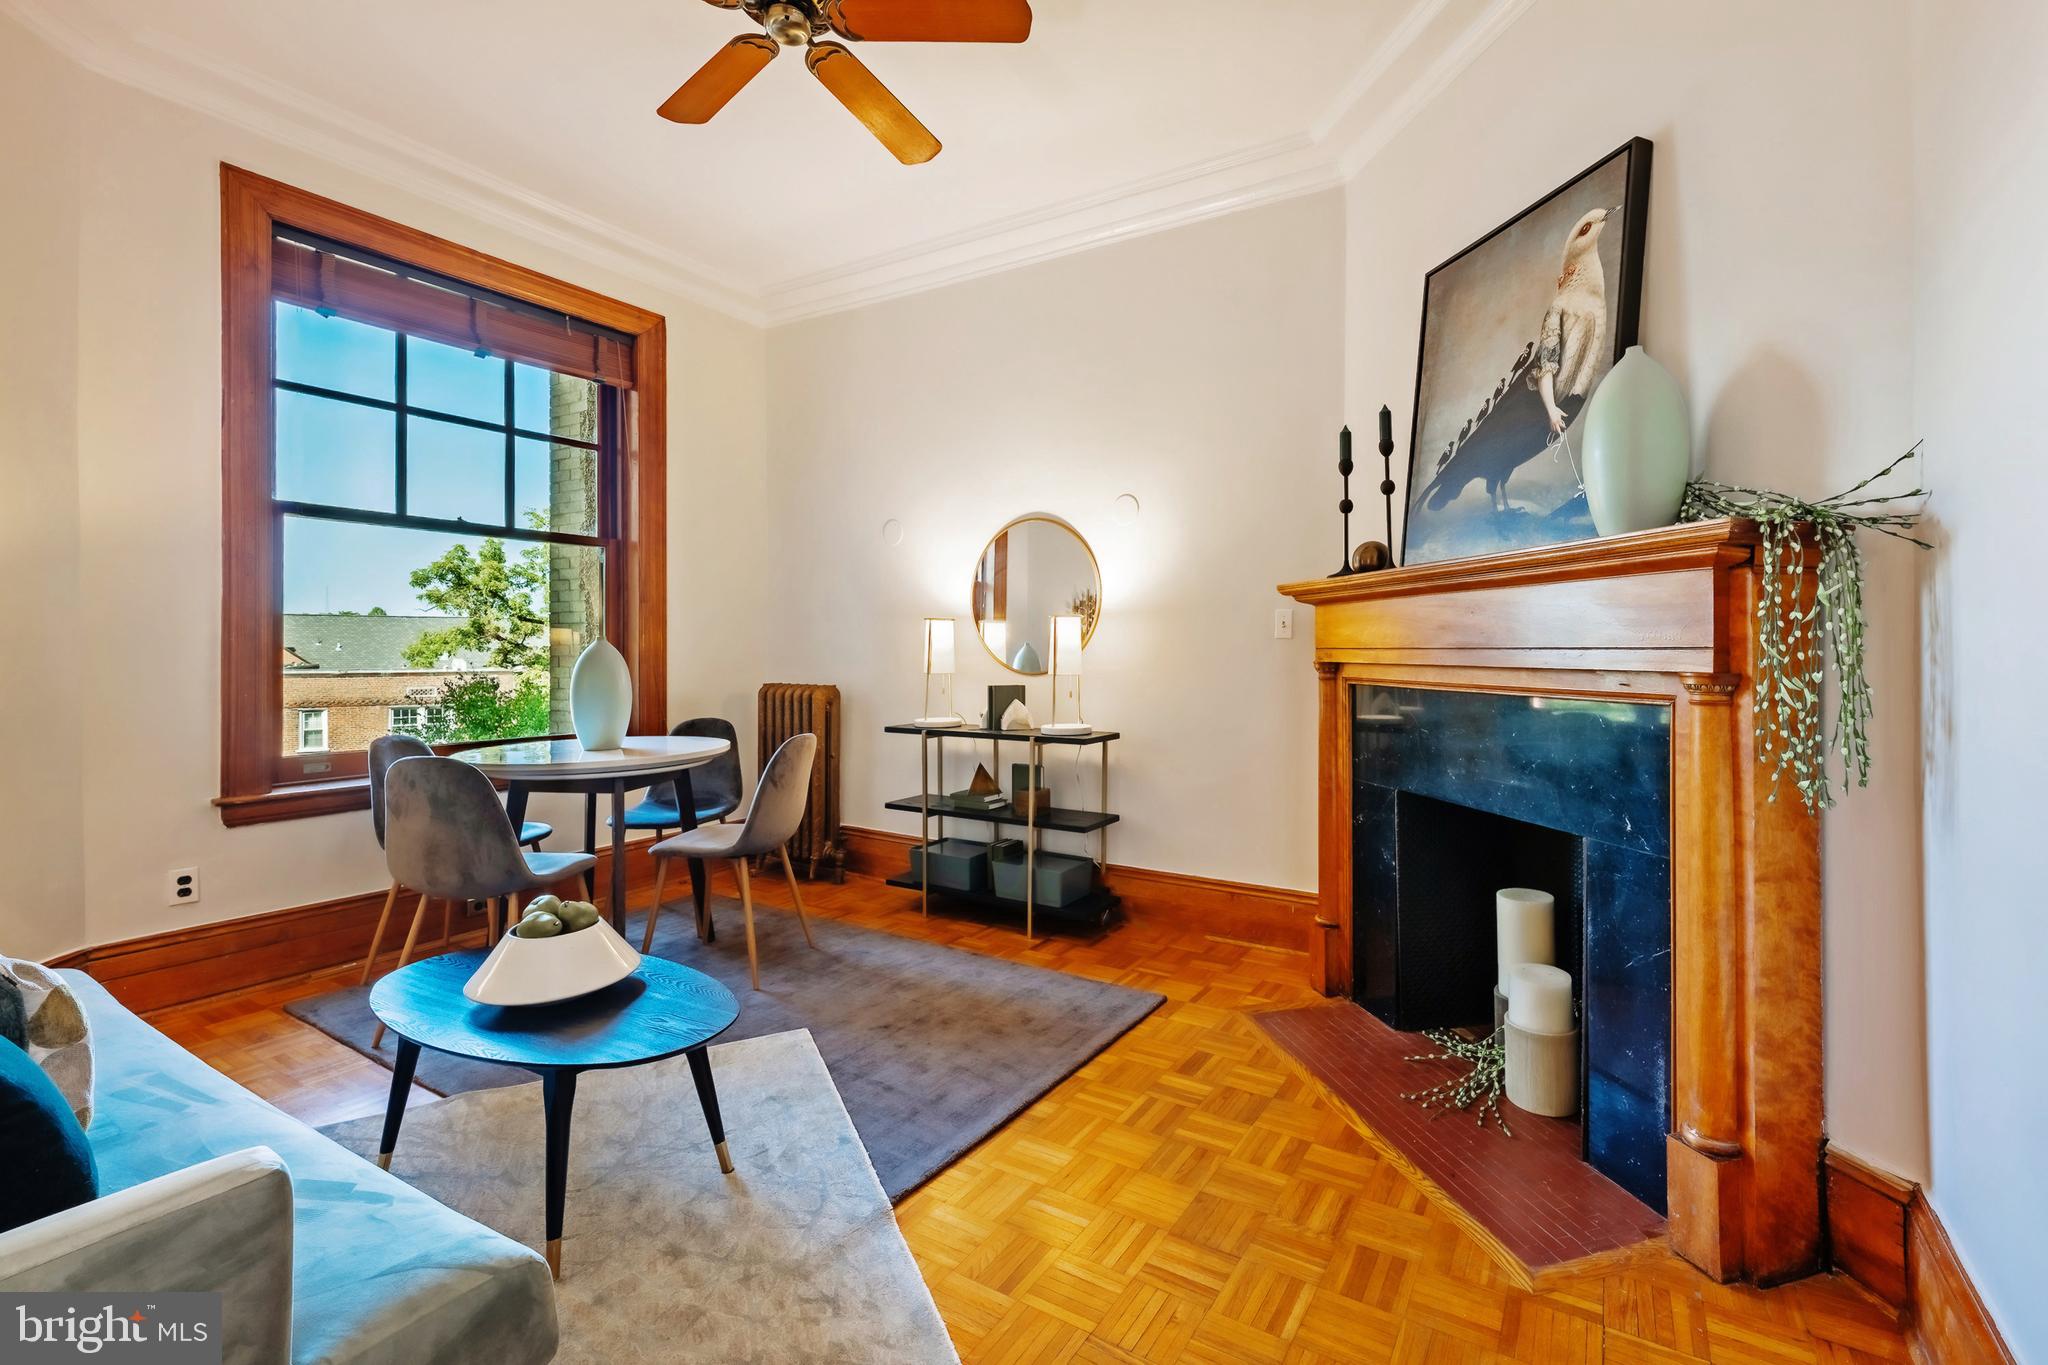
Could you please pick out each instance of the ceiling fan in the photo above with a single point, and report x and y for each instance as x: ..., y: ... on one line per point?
x: 805, y: 24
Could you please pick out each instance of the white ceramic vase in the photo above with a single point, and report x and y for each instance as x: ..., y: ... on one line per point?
x: 1635, y: 447
x: 600, y: 697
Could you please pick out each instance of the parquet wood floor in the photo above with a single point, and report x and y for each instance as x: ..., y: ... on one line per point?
x: 1188, y: 1196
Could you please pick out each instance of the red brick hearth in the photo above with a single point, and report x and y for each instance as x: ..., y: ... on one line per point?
x: 1532, y: 1191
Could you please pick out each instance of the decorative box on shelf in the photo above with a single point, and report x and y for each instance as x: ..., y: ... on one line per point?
x: 1017, y: 872
x: 952, y: 864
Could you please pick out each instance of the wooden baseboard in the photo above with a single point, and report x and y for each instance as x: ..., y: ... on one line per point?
x: 1237, y: 910
x: 1867, y: 1211
x: 1883, y: 1234
x: 201, y: 960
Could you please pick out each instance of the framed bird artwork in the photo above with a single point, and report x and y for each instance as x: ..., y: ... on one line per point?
x: 1518, y: 329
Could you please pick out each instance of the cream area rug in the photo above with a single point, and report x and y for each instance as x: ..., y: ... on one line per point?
x: 793, y: 1258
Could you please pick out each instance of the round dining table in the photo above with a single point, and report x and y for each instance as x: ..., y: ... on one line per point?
x: 563, y: 765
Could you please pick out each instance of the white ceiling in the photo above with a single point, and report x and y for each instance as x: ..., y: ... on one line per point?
x: 1117, y: 116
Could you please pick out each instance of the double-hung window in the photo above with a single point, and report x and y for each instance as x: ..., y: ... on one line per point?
x: 442, y: 481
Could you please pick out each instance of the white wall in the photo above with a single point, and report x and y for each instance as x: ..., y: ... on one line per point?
x: 1776, y: 290
x: 40, y: 831
x: 134, y: 690
x: 1980, y: 327
x: 1198, y: 369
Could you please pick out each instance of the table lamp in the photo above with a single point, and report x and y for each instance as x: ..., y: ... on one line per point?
x: 1066, y: 663
x: 938, y: 658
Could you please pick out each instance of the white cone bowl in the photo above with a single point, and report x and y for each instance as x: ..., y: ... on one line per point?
x: 542, y: 971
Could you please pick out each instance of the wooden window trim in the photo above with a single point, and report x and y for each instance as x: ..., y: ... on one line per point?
x: 252, y: 629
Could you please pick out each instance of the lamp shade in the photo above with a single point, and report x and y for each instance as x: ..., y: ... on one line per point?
x: 938, y: 644
x: 1066, y: 646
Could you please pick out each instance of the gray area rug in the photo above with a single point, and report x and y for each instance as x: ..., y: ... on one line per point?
x: 932, y: 1048
x: 794, y: 1258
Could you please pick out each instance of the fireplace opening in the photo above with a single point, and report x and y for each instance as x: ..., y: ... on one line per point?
x: 1457, y: 795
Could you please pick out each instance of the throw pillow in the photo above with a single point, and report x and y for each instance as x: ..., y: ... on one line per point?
x: 48, y: 1162
x: 45, y: 1020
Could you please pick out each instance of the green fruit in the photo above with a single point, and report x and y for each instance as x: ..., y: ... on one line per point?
x: 538, y: 924
x: 551, y: 904
x: 576, y: 915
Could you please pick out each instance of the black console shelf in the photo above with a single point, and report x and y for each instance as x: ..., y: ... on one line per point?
x: 1093, y: 909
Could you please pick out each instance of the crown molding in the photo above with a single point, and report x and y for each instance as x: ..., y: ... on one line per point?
x: 1370, y: 133
x: 271, y: 109
x: 1375, y: 104
x: 1259, y: 175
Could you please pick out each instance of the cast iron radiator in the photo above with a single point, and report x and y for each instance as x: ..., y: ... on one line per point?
x: 809, y: 708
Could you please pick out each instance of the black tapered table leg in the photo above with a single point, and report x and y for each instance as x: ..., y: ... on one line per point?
x: 700, y: 882
x: 515, y: 804
x: 700, y: 895
x: 707, y: 1095
x: 618, y: 905
x: 590, y: 839
x: 558, y: 1097
x: 401, y: 1085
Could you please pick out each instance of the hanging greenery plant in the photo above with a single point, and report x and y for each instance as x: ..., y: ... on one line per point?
x: 1798, y: 632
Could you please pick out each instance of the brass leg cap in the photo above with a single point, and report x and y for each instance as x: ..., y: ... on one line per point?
x: 383, y: 1161
x: 724, y: 1159
x: 555, y: 1257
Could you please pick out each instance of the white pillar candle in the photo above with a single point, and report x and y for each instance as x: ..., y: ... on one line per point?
x: 1525, y: 925
x: 1540, y: 998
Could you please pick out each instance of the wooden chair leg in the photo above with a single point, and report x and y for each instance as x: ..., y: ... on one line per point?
x: 747, y: 909
x: 404, y: 955
x: 491, y: 930
x: 447, y: 923
x: 796, y: 895
x: 654, y: 909
x: 377, y: 938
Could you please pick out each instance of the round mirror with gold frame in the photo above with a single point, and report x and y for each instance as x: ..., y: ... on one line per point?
x: 1035, y: 568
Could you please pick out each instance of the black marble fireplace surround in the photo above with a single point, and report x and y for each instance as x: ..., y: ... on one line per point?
x: 1459, y: 793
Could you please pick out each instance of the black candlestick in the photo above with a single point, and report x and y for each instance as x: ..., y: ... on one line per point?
x: 1344, y: 568
x: 1387, y: 470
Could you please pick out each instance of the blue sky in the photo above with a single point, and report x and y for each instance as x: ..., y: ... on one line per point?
x: 344, y: 454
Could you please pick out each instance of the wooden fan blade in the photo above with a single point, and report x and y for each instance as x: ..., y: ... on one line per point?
x: 930, y: 21
x: 868, y: 100
x: 719, y: 79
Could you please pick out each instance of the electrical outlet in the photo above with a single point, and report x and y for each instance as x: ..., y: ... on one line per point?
x: 1283, y: 623
x: 181, y: 886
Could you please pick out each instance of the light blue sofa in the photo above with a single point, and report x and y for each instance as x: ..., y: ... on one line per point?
x: 321, y: 1257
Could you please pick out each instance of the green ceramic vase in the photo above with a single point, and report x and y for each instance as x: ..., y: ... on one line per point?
x: 1635, y: 445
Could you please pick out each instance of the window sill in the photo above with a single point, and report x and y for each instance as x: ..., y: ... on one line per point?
x: 299, y: 801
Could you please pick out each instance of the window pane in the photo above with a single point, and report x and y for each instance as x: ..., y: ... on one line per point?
x: 442, y: 636
x: 454, y: 472
x: 335, y: 353
x: 448, y: 379
x: 558, y: 483
x: 558, y: 404
x: 336, y: 453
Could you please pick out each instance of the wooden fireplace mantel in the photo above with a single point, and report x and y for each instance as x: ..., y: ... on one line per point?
x: 1664, y: 617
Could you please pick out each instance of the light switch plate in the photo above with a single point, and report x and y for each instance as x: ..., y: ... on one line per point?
x: 1283, y: 623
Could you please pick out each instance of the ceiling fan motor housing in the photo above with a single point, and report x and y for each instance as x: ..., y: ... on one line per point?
x: 788, y: 24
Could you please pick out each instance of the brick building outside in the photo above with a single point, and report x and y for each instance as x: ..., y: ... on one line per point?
x: 346, y: 680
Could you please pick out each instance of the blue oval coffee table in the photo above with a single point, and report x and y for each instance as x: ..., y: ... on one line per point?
x: 662, y: 1009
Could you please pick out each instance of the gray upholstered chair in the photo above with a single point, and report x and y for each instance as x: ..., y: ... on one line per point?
x: 446, y: 836
x: 386, y: 750
x: 714, y: 787
x: 777, y: 810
